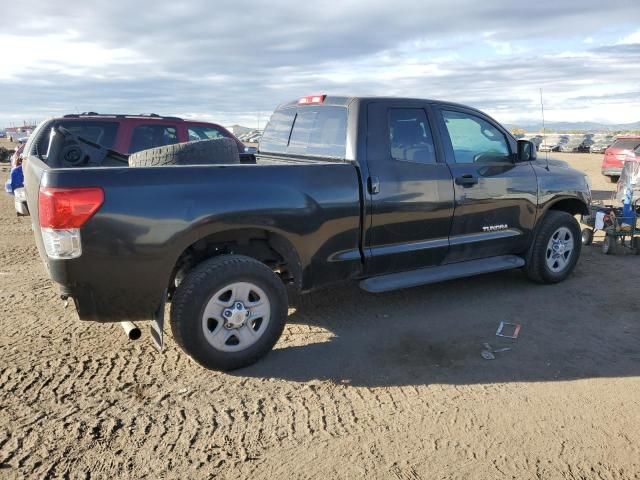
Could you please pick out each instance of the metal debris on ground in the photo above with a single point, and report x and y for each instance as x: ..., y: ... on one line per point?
x: 487, y: 355
x: 511, y: 331
x: 489, y: 352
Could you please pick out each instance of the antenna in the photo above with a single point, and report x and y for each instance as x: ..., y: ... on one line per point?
x: 544, y: 131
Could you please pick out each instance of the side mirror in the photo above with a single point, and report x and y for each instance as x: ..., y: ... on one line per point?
x: 252, y: 150
x: 526, y: 151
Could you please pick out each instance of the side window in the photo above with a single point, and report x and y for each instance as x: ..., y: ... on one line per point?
x: 410, y: 136
x: 151, y: 136
x: 474, y: 140
x: 204, y: 133
x: 276, y: 134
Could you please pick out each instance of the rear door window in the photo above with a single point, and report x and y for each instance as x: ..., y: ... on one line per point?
x: 151, y: 136
x: 410, y: 136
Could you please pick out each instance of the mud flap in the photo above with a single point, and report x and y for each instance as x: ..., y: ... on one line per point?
x: 156, y: 326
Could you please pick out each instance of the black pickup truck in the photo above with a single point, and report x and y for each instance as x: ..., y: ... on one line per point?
x: 390, y: 192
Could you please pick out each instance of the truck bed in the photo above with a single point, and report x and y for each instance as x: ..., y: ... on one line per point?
x: 150, y: 216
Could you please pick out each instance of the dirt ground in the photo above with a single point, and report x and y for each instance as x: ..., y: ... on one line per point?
x: 376, y: 386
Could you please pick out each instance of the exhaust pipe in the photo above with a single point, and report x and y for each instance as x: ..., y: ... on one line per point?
x: 131, y: 330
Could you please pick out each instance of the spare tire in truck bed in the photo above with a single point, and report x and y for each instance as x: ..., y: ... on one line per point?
x: 202, y: 152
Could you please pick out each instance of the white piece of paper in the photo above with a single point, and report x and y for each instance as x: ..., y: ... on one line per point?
x: 599, y: 221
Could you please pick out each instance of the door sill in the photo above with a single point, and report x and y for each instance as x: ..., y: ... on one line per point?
x: 425, y: 276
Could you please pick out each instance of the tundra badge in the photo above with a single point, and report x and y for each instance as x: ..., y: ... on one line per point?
x: 493, y: 228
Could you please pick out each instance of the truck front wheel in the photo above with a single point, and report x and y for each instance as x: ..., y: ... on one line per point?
x: 556, y: 248
x: 228, y: 312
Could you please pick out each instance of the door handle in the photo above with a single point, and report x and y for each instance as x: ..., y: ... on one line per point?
x: 373, y: 183
x: 467, y: 180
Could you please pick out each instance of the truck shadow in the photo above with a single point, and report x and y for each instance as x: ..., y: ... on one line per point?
x: 435, y: 334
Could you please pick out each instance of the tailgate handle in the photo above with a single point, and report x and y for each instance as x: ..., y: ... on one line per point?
x: 466, y: 180
x: 373, y: 183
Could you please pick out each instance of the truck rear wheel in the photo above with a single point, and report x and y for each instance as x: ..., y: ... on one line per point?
x: 217, y: 151
x: 556, y: 248
x: 228, y: 312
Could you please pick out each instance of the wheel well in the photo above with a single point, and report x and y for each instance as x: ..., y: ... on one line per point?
x: 570, y: 205
x: 270, y: 248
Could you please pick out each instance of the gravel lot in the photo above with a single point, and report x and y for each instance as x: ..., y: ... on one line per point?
x: 360, y: 385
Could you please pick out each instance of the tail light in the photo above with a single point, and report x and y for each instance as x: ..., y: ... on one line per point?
x: 62, y: 212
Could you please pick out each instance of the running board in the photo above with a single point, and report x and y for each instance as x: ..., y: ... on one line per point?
x: 425, y: 276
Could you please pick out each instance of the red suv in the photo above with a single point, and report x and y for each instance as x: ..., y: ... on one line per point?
x: 133, y: 133
x: 124, y: 134
x: 614, y: 156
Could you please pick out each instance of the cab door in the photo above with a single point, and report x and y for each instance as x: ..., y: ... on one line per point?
x: 495, y: 195
x: 410, y: 190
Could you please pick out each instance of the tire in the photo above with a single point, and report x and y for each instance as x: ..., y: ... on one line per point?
x: 609, y: 245
x: 546, y: 265
x: 199, y: 321
x: 219, y: 151
x: 587, y: 236
x: 635, y: 244
x: 614, y: 179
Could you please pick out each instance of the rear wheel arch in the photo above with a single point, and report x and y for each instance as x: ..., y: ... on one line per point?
x: 269, y: 247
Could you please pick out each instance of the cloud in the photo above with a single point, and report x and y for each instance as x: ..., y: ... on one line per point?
x: 632, y: 38
x: 229, y: 61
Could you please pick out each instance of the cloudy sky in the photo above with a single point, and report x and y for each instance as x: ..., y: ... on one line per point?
x: 234, y: 61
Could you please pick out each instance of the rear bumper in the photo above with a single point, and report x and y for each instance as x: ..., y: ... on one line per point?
x: 101, y: 295
x: 611, y: 171
x: 106, y: 309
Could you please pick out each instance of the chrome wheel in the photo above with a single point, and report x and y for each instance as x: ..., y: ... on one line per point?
x: 559, y: 249
x: 236, y: 316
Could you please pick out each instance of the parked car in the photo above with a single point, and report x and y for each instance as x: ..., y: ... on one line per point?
x: 126, y: 134
x: 585, y: 144
x: 536, y: 140
x: 393, y: 193
x: 601, y: 143
x: 3, y: 134
x: 617, y: 153
x: 552, y: 143
x: 572, y: 145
